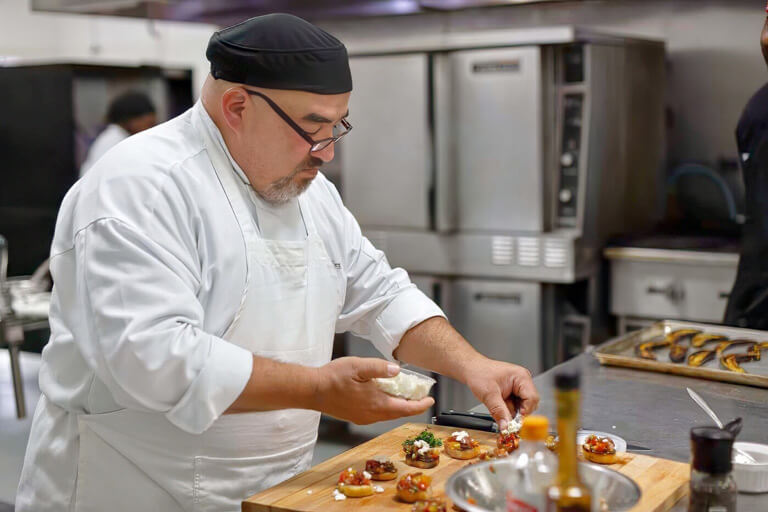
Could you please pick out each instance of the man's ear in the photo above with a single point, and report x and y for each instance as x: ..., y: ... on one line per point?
x: 232, y: 107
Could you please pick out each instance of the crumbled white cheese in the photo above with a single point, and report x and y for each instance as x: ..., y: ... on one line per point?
x: 309, y: 491
x: 367, y: 475
x: 406, y: 385
x: 338, y: 495
x: 421, y: 446
x: 349, y: 468
x: 378, y: 488
x: 514, y: 426
x: 460, y: 435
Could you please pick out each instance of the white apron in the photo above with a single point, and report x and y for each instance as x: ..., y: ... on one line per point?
x: 131, y: 460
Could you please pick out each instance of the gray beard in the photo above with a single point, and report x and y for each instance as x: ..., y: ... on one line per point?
x: 283, y: 190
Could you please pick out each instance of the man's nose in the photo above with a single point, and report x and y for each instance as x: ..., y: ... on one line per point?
x: 325, y: 154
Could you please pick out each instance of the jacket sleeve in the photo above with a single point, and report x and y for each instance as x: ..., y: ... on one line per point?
x: 141, y: 328
x: 381, y: 302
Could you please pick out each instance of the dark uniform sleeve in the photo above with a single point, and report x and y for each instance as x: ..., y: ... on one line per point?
x: 748, y: 302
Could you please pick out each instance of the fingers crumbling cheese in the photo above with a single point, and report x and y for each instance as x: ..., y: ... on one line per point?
x: 514, y: 426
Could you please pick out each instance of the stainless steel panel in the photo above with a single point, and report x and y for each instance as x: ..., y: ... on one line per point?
x: 386, y: 164
x: 689, y: 257
x: 446, y: 211
x: 497, y: 138
x: 645, y: 149
x: 437, y: 290
x: 623, y: 139
x: 420, y: 252
x: 502, y: 320
x: 442, y: 41
x: 554, y: 257
x: 652, y: 289
x: 549, y: 257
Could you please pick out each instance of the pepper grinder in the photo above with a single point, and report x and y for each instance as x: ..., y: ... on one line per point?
x: 712, y: 486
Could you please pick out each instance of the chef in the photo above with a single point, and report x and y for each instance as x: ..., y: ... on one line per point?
x: 128, y: 114
x: 201, y: 269
x: 748, y: 301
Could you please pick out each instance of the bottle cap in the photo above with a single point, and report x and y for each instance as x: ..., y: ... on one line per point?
x: 711, y: 448
x: 567, y: 380
x: 535, y: 428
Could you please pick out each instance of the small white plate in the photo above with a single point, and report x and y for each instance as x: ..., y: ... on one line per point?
x: 620, y: 443
x: 752, y: 477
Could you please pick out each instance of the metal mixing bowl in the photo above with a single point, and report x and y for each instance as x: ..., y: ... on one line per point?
x: 489, y: 488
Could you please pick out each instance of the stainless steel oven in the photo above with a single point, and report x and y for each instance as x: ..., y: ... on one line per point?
x: 500, y: 163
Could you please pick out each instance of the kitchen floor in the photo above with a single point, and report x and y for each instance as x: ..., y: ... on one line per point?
x: 334, y: 436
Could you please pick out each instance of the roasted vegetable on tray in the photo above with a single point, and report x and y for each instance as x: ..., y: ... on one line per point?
x: 703, y: 338
x: 681, y: 334
x: 701, y: 357
x: 733, y: 362
x: 677, y: 352
x: 645, y: 350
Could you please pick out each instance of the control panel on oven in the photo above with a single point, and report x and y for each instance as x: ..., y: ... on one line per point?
x: 571, y: 134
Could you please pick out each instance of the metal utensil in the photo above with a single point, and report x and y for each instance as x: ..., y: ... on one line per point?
x: 478, y: 488
x: 707, y: 409
x: 734, y: 427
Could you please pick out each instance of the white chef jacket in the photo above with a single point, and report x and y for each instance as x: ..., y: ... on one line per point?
x: 149, y: 267
x: 108, y: 138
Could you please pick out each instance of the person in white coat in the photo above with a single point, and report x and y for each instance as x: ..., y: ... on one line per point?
x: 201, y: 269
x: 128, y: 114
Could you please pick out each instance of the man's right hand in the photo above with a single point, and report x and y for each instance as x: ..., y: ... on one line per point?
x: 346, y: 391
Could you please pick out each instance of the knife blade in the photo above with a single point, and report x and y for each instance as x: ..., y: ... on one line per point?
x: 475, y: 421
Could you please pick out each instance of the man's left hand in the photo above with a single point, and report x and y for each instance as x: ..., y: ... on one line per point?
x: 503, y: 388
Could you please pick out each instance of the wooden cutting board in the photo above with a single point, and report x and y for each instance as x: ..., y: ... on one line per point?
x: 663, y: 482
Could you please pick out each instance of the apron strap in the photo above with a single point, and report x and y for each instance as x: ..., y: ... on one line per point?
x: 225, y: 173
x: 226, y: 176
x: 306, y: 215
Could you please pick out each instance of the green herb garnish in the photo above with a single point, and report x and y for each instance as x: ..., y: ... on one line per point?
x: 425, y: 436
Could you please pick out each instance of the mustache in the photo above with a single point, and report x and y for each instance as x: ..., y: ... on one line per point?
x: 312, y: 163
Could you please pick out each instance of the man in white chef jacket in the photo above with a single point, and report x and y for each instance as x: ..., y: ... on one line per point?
x: 128, y: 114
x: 201, y: 269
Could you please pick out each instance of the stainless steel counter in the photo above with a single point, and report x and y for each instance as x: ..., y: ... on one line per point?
x: 654, y: 410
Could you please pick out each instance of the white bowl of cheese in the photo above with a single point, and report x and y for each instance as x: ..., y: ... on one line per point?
x: 406, y: 384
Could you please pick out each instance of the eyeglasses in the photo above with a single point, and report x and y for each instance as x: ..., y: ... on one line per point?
x: 339, y: 130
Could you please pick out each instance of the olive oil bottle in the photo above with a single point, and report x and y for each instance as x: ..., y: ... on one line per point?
x: 567, y: 493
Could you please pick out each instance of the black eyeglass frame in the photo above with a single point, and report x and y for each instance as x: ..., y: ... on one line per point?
x: 315, y: 145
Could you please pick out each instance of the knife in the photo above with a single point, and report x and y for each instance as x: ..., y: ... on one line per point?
x: 471, y: 420
x: 485, y: 422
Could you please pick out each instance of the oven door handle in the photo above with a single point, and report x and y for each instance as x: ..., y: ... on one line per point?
x: 675, y: 293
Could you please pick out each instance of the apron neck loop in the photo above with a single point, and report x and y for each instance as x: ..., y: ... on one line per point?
x: 229, y: 177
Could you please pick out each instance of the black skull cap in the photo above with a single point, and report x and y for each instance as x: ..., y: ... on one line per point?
x: 280, y: 51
